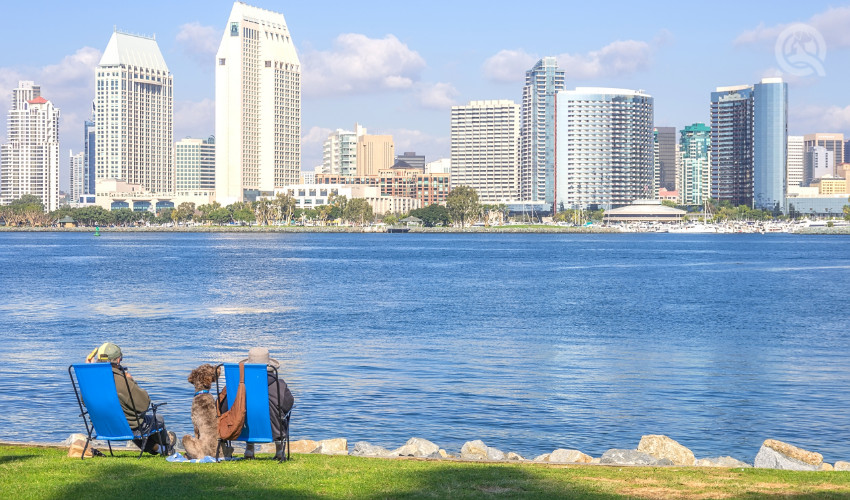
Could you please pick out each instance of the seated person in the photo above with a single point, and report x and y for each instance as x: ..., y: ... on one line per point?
x: 161, y: 442
x: 260, y: 355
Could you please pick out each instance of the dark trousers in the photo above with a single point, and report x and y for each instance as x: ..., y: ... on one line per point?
x: 157, y: 438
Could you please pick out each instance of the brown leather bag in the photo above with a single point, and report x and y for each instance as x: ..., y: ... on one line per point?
x: 230, y: 423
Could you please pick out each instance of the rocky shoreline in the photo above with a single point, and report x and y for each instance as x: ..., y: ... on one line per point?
x: 653, y: 451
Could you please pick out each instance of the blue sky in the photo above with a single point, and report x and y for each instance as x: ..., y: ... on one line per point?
x: 398, y: 67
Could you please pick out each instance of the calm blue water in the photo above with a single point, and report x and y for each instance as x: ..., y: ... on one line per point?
x: 529, y: 342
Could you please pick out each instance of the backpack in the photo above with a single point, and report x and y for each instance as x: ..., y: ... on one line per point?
x: 230, y: 423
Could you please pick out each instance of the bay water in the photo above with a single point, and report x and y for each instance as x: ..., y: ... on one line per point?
x: 530, y: 342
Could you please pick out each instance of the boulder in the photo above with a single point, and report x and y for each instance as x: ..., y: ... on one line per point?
x: 495, y: 454
x: 596, y: 460
x: 721, y: 462
x: 513, y: 456
x: 416, y: 447
x: 474, y: 450
x: 841, y: 465
x: 74, y: 437
x: 303, y: 446
x: 632, y: 457
x: 791, y: 451
x: 265, y: 448
x: 664, y: 447
x: 364, y: 449
x: 768, y: 458
x: 337, y: 446
x: 826, y: 467
x: 542, y: 458
x: 569, y: 456
x: 76, y: 448
x: 443, y: 453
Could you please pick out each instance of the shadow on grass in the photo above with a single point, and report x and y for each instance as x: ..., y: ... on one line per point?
x: 5, y: 459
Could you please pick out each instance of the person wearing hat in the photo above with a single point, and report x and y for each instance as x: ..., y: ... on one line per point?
x: 260, y: 355
x: 134, y: 400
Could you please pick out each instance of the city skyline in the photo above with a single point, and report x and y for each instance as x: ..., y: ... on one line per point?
x: 408, y: 85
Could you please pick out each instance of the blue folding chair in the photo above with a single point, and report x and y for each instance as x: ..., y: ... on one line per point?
x: 94, y: 386
x: 258, y: 425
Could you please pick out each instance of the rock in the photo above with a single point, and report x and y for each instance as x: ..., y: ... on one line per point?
x: 826, y: 467
x: 596, y: 460
x: 664, y: 447
x: 435, y: 455
x: 364, y: 449
x: 841, y: 465
x: 474, y: 450
x: 303, y: 446
x: 337, y: 446
x: 569, y: 456
x: 513, y: 456
x: 265, y: 448
x: 443, y: 453
x: 632, y: 457
x: 76, y: 448
x: 74, y: 437
x: 416, y: 447
x: 542, y: 458
x: 495, y: 454
x: 768, y: 458
x: 721, y: 462
x: 791, y: 451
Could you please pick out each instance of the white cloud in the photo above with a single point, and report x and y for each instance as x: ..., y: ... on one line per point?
x: 438, y: 96
x: 433, y: 147
x: 359, y: 64
x: 813, y: 118
x: 316, y: 135
x: 619, y: 58
x: 832, y: 24
x: 199, y: 42
x: 311, y: 146
x: 194, y: 119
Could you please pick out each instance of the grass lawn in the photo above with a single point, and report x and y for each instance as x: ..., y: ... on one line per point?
x: 32, y: 472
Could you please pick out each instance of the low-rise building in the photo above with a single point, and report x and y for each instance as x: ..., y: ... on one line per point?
x: 113, y: 194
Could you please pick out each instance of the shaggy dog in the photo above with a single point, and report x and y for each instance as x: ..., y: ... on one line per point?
x: 204, y: 416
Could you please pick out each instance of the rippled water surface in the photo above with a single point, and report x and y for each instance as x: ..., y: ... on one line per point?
x: 529, y: 342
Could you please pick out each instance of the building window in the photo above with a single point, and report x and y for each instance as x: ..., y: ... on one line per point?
x: 221, y: 62
x: 234, y: 29
x: 268, y: 64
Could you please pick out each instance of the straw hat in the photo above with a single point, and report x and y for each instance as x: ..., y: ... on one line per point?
x: 260, y: 355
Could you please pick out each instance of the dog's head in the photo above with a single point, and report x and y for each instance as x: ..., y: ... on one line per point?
x: 203, y: 376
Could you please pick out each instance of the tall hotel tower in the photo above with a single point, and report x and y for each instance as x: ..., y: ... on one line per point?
x: 257, y: 106
x: 484, y: 149
x: 537, y: 130
x: 134, y: 114
x: 29, y: 161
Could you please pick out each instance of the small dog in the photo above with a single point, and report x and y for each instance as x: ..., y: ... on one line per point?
x: 204, y: 416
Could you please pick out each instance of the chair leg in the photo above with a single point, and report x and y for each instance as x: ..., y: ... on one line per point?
x: 144, y: 443
x: 83, y: 454
x: 109, y: 443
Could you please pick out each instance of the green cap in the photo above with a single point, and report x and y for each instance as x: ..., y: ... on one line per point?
x: 108, y: 352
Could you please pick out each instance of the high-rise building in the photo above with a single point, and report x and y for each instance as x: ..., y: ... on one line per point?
x: 257, y: 106
x: 374, y: 153
x: 537, y: 130
x: 847, y: 151
x: 89, y: 141
x: 77, y: 176
x: 134, y: 109
x: 604, y: 148
x: 749, y: 134
x: 339, y: 152
x: 410, y: 160
x: 695, y: 164
x: 665, y: 158
x: 818, y: 162
x: 794, y: 177
x: 484, y: 152
x: 833, y: 142
x: 29, y: 161
x: 194, y: 164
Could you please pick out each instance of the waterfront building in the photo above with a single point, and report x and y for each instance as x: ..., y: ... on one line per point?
x: 605, y: 148
x: 339, y: 151
x: 89, y: 141
x: 194, y: 164
x: 428, y: 188
x: 411, y: 160
x: 484, y: 152
x: 795, y: 161
x: 257, y: 106
x: 833, y: 142
x: 749, y: 134
x: 76, y: 177
x: 818, y: 162
x: 829, y: 185
x: 134, y: 114
x: 308, y: 177
x: 664, y: 158
x: 114, y: 194
x: 537, y: 131
x: 374, y: 153
x: 695, y: 161
x: 29, y: 161
x: 314, y: 195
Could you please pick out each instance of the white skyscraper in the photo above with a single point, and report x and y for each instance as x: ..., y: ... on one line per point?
x: 194, y: 164
x: 257, y: 106
x: 339, y: 152
x: 537, y: 134
x: 795, y: 161
x: 77, y: 176
x: 29, y: 161
x: 484, y: 149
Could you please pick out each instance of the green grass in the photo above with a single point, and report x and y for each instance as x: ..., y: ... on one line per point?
x: 32, y: 472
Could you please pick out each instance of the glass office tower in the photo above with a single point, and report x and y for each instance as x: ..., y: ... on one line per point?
x: 770, y: 144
